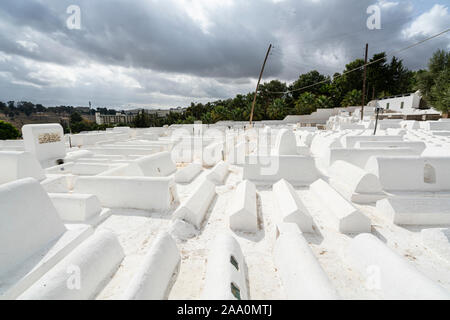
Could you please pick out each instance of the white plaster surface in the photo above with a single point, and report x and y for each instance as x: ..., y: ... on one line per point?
x: 221, y: 273
x: 94, y: 261
x: 242, y: 211
x: 415, y: 210
x: 291, y: 207
x: 153, y: 277
x: 15, y: 165
x: 347, y: 219
x: 397, y: 278
x: 302, y: 276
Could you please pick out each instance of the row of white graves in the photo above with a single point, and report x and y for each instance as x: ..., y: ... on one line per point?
x: 225, y: 191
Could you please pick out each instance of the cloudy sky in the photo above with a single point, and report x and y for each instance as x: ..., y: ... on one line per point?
x: 167, y: 53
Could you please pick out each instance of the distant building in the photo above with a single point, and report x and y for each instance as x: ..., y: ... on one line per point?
x: 114, y: 118
x: 129, y: 116
x: 159, y: 112
x: 405, y: 103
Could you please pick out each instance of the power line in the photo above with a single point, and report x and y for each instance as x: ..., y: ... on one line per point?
x: 365, y: 65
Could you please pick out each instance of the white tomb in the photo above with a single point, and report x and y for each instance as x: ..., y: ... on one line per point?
x: 226, y: 273
x: 291, y: 207
x: 45, y: 142
x: 242, y: 208
x: 15, y: 165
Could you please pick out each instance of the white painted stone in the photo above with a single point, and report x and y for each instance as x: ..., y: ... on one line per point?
x: 354, y: 183
x: 74, y: 207
x: 436, y: 152
x: 298, y: 170
x: 346, y: 218
x: 44, y: 141
x: 78, y: 154
x: 242, y: 208
x: 28, y: 220
x: 56, y: 184
x: 145, y: 193
x: 213, y: 154
x: 415, y: 210
x: 350, y: 140
x: 125, y: 151
x: 321, y: 144
x: 89, y: 169
x: 437, y: 125
x: 438, y: 240
x: 398, y: 279
x: 94, y: 261
x: 359, y: 157
x: 194, y: 209
x: 291, y: 207
x: 301, y: 274
x: 33, y: 236
x: 221, y: 273
x: 12, y: 145
x: 218, y: 174
x: 155, y: 165
x: 188, y: 173
x: 182, y: 230
x: 15, y: 165
x: 65, y: 168
x: 120, y: 170
x: 150, y: 136
x: 285, y: 143
x: 151, y: 280
x: 89, y: 139
x: 238, y: 153
x: 411, y: 173
x: 417, y: 146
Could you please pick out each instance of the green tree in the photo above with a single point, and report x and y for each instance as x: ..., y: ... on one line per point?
x: 434, y: 84
x: 142, y: 120
x: 377, y: 75
x: 352, y: 98
x: 277, y: 110
x: 440, y: 92
x: 8, y: 131
x: 207, y: 118
x: 308, y: 79
x: 399, y: 79
x: 220, y: 113
x: 324, y: 102
x: 306, y: 103
x: 75, y: 118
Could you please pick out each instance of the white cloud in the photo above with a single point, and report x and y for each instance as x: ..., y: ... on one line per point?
x: 429, y: 23
x: 387, y: 4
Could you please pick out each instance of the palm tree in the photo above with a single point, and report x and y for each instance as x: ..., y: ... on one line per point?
x: 277, y: 110
x: 352, y: 98
x: 306, y: 103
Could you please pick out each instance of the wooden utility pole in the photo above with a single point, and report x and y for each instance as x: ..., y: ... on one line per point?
x: 364, y: 82
x: 257, y: 85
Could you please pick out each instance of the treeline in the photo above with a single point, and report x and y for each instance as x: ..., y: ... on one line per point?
x: 276, y: 99
x: 13, y: 108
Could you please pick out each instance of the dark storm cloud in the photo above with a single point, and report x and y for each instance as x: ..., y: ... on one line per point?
x: 174, y: 48
x: 155, y: 35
